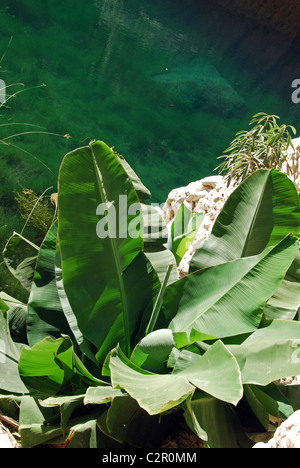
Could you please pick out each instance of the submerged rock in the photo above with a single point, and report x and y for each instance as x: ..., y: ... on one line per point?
x: 199, y: 84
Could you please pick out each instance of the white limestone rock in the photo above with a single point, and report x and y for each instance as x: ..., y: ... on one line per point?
x: 291, y: 380
x: 7, y: 441
x: 286, y: 436
x: 208, y: 196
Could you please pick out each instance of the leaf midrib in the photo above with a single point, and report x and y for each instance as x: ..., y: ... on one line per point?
x: 117, y: 263
x: 261, y: 257
x: 254, y: 218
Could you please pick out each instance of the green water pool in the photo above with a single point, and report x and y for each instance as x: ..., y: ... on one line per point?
x: 104, y: 64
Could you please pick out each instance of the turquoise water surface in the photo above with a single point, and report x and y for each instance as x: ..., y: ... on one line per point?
x: 168, y: 83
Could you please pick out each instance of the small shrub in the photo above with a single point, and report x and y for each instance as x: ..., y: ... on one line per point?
x: 264, y: 146
x: 39, y: 212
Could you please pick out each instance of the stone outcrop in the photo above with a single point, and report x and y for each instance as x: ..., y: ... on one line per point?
x: 207, y: 196
x: 291, y: 381
x: 286, y: 436
x: 199, y: 84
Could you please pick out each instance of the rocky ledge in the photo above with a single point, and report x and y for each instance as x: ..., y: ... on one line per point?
x: 286, y: 436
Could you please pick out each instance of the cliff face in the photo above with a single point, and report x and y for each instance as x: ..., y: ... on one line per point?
x: 283, y: 16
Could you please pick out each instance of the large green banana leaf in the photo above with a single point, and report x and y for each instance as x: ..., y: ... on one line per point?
x: 16, y: 317
x: 263, y: 404
x: 224, y: 382
x: 227, y: 299
x: 153, y: 351
x: 259, y: 213
x: 155, y: 393
x: 155, y: 230
x: 215, y: 422
x: 66, y: 307
x: 38, y: 369
x: 285, y: 303
x: 126, y: 422
x: 260, y: 360
x: 45, y: 316
x: 106, y: 293
x: 10, y: 381
x: 50, y: 365
x: 270, y: 353
x: 216, y: 372
x: 155, y: 238
x: 20, y: 256
x: 34, y: 425
x: 46, y: 425
x: 87, y: 353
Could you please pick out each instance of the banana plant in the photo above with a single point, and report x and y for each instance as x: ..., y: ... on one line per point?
x: 261, y: 211
x: 117, y: 346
